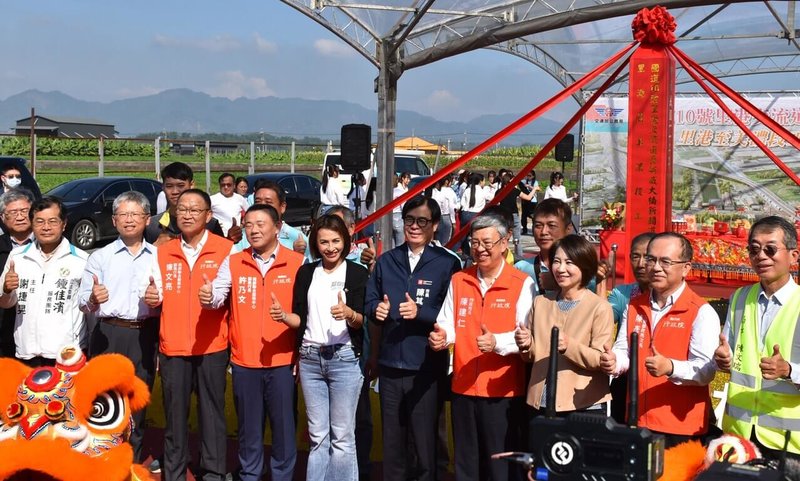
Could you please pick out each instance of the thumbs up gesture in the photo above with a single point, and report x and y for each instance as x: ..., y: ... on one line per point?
x: 275, y: 310
x: 563, y: 342
x: 12, y: 279
x: 486, y: 341
x: 408, y: 308
x: 723, y: 354
x: 99, y: 292
x: 368, y: 254
x: 151, y: 297
x: 382, y: 311
x: 775, y: 367
x: 235, y: 232
x: 437, y: 339
x: 299, y: 245
x: 339, y: 310
x: 206, y: 293
x: 658, y: 365
x: 522, y: 336
x: 608, y: 360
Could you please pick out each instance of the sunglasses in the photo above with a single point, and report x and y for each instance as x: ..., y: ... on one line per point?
x: 770, y: 250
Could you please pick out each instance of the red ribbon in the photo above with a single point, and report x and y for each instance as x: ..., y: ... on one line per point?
x: 542, y: 153
x: 510, y: 129
x: 654, y: 26
x: 695, y: 71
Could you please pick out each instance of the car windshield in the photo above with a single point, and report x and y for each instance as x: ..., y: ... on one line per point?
x: 77, y: 190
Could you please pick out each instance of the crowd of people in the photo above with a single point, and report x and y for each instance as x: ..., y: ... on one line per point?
x: 218, y: 284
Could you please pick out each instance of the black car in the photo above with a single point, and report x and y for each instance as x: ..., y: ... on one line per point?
x: 302, y: 194
x: 89, y: 205
x: 27, y: 179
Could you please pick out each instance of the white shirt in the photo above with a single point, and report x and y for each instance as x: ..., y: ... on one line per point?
x: 480, y: 199
x: 192, y: 253
x: 504, y: 341
x: 322, y: 329
x: 768, y: 308
x: 221, y: 285
x: 556, y: 192
x: 397, y: 192
x: 225, y: 209
x: 699, y: 369
x: 413, y: 259
x: 46, y: 302
x: 334, y: 195
x: 448, y: 203
x: 125, y: 292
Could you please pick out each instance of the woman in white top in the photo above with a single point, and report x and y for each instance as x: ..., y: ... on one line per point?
x: 331, y: 336
x: 473, y: 200
x: 331, y: 193
x: 444, y: 195
x: 397, y: 213
x: 556, y: 189
x: 357, y: 197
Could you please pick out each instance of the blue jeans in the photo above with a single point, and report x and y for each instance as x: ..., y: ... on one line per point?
x: 331, y: 381
x: 398, y: 232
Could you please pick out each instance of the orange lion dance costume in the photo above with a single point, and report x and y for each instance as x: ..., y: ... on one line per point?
x: 70, y: 422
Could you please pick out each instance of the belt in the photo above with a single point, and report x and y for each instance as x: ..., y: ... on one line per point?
x: 327, y: 351
x: 129, y: 323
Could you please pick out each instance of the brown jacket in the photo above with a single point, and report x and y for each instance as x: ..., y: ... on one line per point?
x: 589, y: 325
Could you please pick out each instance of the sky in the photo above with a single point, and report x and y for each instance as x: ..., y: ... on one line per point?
x: 103, y: 51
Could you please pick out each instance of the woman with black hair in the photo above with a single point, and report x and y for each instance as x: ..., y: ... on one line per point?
x: 509, y: 202
x: 331, y: 193
x: 473, y: 200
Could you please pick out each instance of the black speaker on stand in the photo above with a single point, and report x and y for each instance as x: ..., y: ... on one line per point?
x: 565, y: 150
x: 356, y: 142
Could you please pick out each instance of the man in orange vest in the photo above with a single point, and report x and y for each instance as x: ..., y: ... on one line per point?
x: 678, y: 333
x: 193, y: 342
x: 262, y: 343
x: 484, y: 306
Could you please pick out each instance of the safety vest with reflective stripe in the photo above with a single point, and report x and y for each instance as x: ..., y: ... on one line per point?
x: 770, y: 407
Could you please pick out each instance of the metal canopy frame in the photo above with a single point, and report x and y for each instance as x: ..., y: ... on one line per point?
x: 398, y: 35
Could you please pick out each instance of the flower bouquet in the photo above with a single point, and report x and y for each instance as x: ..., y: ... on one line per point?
x: 612, y: 216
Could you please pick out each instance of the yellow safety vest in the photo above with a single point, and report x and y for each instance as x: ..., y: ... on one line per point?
x: 770, y: 407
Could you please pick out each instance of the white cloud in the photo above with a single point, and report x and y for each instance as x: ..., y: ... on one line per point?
x: 441, y: 99
x: 333, y: 48
x: 234, y: 84
x: 263, y: 45
x: 215, y: 44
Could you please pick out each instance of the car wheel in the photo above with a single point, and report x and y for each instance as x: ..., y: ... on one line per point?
x: 84, y: 235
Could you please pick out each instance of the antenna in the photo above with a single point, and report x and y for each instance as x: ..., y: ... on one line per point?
x: 552, y: 375
x: 633, y: 380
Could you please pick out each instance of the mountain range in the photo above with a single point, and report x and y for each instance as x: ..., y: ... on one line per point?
x: 184, y: 110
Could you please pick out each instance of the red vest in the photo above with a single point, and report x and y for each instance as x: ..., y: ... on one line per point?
x: 256, y: 340
x: 486, y: 374
x: 186, y: 328
x: 664, y: 406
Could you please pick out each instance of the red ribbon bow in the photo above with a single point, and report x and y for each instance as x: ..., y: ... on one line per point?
x: 654, y: 26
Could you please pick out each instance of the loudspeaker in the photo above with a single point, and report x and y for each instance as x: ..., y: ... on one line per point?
x: 565, y: 149
x: 356, y: 145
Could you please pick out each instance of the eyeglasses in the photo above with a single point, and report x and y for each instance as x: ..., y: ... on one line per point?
x: 665, y: 262
x: 189, y: 212
x: 770, y: 250
x: 422, y: 222
x: 487, y: 245
x: 52, y: 222
x: 11, y: 214
x: 130, y: 215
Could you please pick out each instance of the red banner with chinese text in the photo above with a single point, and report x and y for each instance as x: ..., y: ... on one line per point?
x: 650, y: 130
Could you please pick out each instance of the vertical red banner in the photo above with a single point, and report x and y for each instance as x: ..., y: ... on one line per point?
x: 650, y: 139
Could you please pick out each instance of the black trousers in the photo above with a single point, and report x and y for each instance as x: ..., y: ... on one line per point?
x: 138, y: 345
x: 409, y: 408
x: 38, y: 361
x: 483, y: 426
x: 178, y: 375
x: 364, y: 432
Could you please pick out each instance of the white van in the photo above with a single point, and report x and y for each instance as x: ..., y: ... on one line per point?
x: 411, y: 161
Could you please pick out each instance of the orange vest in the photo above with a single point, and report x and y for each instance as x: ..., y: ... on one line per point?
x: 186, y: 328
x: 486, y: 374
x: 664, y: 406
x: 256, y: 340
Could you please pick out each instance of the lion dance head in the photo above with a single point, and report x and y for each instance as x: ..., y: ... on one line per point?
x: 70, y: 422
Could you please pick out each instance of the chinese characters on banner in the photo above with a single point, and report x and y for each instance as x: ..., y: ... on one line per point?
x: 650, y: 131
